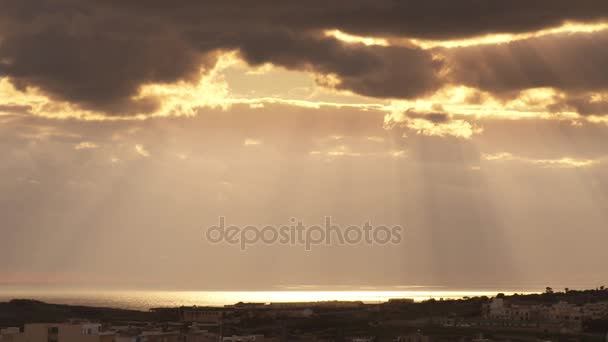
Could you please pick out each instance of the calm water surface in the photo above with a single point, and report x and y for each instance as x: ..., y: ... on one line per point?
x: 144, y: 300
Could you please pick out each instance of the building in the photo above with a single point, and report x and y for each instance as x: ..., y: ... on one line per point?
x: 558, y: 317
x: 195, y: 334
x: 248, y: 338
x: 248, y: 306
x: 12, y: 335
x: 159, y: 336
x: 596, y: 310
x: 87, y: 332
x: 414, y: 337
x: 203, y: 315
x: 564, y: 312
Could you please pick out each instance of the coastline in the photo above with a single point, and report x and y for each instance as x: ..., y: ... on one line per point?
x: 144, y: 300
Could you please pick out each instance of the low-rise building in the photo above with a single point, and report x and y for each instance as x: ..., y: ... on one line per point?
x: 596, y: 310
x: 12, y: 335
x: 362, y: 339
x: 159, y: 336
x: 414, y: 337
x: 248, y: 338
x: 561, y: 316
x: 206, y: 315
x: 70, y: 332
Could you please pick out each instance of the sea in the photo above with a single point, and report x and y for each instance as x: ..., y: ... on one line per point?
x: 145, y: 300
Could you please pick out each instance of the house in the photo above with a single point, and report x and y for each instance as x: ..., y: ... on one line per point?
x: 12, y: 335
x: 414, y: 337
x: 206, y: 315
x: 70, y: 332
x: 248, y: 338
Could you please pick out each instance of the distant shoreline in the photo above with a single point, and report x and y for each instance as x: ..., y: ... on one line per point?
x: 143, y: 300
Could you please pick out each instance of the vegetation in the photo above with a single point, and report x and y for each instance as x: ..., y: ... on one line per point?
x: 20, y: 311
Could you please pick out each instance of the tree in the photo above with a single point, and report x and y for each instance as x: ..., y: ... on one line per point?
x: 549, y: 290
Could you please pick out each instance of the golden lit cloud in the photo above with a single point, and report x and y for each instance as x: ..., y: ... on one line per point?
x: 342, y: 151
x: 565, y: 162
x: 41, y: 105
x: 141, y: 150
x: 251, y: 142
x: 353, y: 39
x: 566, y: 28
x: 598, y: 119
x: 423, y: 125
x: 214, y: 91
x: 455, y: 128
x: 498, y: 156
x: 398, y: 154
x: 346, y: 151
x: 86, y: 145
x: 376, y: 139
x: 495, y: 38
x: 184, y: 99
x: 466, y: 101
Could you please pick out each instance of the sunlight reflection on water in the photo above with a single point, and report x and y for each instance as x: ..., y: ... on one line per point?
x: 144, y: 300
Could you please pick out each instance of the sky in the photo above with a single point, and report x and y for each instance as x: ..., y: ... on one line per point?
x: 128, y: 128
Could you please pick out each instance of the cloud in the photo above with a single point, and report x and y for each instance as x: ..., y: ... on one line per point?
x: 385, y: 72
x: 564, y: 162
x: 498, y: 156
x: 347, y: 151
x: 251, y: 142
x: 455, y: 128
x: 585, y: 104
x: 376, y: 139
x: 15, y: 109
x: 86, y: 145
x: 99, y: 55
x: 141, y: 150
x: 568, y: 62
x: 435, y: 124
x: 436, y: 118
x: 432, y: 19
x: 98, y: 71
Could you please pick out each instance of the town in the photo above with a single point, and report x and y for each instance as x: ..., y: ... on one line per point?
x: 551, y: 316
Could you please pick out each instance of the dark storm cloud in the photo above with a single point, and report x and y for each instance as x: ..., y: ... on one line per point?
x: 98, y: 73
x: 397, y: 72
x: 90, y: 55
x: 98, y: 54
x: 434, y: 19
x: 568, y: 62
